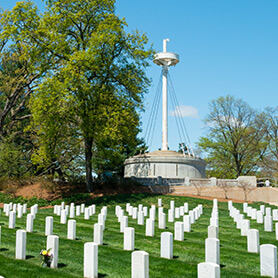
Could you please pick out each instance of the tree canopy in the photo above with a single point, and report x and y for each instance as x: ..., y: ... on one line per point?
x: 83, y: 76
x: 235, y: 142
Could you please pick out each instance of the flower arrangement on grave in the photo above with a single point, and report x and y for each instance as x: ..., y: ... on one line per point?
x: 47, y: 257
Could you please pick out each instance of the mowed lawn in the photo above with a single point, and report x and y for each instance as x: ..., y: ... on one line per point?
x: 114, y: 262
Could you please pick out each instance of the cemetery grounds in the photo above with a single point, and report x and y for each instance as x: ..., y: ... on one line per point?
x: 115, y: 262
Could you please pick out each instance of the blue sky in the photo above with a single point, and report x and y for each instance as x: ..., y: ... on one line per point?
x: 225, y: 47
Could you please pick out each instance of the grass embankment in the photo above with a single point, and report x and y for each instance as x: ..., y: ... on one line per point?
x: 114, y: 261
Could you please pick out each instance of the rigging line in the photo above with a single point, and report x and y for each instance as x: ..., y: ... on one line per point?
x: 175, y: 115
x: 179, y: 126
x: 150, y: 119
x: 159, y: 99
x: 183, y: 124
x: 178, y: 111
x: 153, y: 111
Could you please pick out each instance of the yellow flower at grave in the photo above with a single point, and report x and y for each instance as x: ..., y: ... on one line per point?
x: 44, y: 252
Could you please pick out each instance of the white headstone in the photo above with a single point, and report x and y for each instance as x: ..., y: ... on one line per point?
x: 72, y: 212
x: 212, y: 232
x: 172, y: 205
x: 53, y: 244
x: 253, y: 214
x: 245, y: 226
x: 253, y: 241
x: 262, y: 208
x: 240, y: 218
x: 129, y: 238
x: 140, y: 220
x: 268, y: 212
x: 48, y: 225
x: 171, y: 214
x: 275, y: 214
x: 276, y: 230
x: 20, y: 250
x: 152, y: 213
x: 63, y: 218
x: 90, y: 260
x: 268, y: 224
x: 78, y: 210
x: 82, y: 208
x: 179, y: 231
x: 71, y: 229
x: 24, y: 208
x: 177, y: 212
x: 59, y: 209
x: 185, y: 207
x: 139, y: 264
x: 98, y: 233
x: 268, y: 260
x: 12, y: 220
x: 149, y: 227
x: 162, y: 221
x: 134, y: 213
x: 187, y: 223
x: 86, y: 214
x: 19, y: 211
x: 208, y: 270
x: 192, y: 216
x: 166, y: 245
x: 124, y: 224
x: 212, y: 250
x: 159, y: 202
x: 260, y: 217
x: 29, y: 223
x: 145, y: 210
x: 101, y: 220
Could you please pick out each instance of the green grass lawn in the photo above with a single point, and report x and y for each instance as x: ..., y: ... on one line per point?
x: 114, y: 261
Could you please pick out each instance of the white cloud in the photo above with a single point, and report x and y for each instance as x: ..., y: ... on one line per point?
x: 184, y: 111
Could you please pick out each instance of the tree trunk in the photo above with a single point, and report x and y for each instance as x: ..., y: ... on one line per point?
x: 88, y: 158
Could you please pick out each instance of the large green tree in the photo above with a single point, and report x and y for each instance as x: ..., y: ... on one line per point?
x: 23, y: 62
x: 269, y: 164
x: 235, y: 142
x: 98, y: 83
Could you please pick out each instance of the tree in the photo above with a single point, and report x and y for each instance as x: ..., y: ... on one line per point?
x: 236, y: 138
x: 23, y: 63
x: 269, y: 163
x: 100, y: 76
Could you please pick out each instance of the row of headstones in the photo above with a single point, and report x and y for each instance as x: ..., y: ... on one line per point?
x: 150, y: 222
x: 268, y: 252
x: 11, y: 210
x: 254, y: 213
x: 244, y: 224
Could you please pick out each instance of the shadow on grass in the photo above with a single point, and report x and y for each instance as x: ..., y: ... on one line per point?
x: 102, y: 275
x: 175, y: 257
x: 105, y: 244
x: 29, y: 257
x: 4, y: 249
x: 61, y: 265
x: 222, y: 265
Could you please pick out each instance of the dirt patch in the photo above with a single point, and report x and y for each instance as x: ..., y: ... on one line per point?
x: 33, y: 190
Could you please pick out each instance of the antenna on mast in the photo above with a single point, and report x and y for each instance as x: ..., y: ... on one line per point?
x: 165, y: 60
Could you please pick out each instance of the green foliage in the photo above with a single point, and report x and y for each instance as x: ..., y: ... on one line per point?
x: 235, y: 142
x: 13, y: 161
x: 91, y: 100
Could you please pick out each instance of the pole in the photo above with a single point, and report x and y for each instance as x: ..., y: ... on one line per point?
x: 164, y: 110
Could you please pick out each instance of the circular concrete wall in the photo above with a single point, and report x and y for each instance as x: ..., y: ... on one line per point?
x: 165, y: 164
